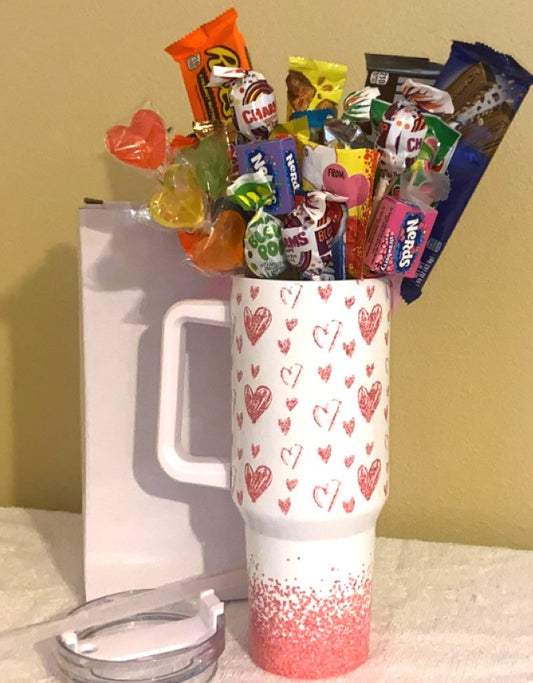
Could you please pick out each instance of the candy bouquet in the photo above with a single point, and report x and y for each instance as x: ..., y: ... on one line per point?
x: 318, y: 212
x: 365, y: 185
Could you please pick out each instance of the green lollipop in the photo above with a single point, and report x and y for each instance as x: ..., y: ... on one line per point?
x: 210, y: 163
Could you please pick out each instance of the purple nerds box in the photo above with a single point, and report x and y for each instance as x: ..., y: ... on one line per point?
x: 277, y: 158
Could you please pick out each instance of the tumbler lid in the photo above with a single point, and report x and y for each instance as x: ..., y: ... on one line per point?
x: 186, y: 637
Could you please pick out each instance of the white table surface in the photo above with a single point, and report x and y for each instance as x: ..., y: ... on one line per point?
x: 440, y: 612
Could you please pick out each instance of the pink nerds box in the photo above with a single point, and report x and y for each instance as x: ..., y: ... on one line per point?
x: 398, y: 236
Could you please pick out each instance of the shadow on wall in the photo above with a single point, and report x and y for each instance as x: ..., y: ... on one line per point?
x: 41, y: 316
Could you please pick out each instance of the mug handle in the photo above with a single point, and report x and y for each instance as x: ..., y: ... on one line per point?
x: 175, y: 460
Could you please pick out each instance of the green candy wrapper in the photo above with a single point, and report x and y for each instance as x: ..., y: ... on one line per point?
x: 264, y: 252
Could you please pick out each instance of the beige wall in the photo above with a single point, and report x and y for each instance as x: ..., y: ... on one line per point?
x: 461, y: 429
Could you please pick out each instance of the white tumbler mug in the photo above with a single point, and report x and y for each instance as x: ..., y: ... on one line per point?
x: 309, y: 465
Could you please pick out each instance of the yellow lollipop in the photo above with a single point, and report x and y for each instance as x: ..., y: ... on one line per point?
x: 180, y: 204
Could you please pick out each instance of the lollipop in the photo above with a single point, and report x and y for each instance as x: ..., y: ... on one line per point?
x: 254, y: 103
x: 180, y: 203
x: 403, y: 128
x: 142, y: 144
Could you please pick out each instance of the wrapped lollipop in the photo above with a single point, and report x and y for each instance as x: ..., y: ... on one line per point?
x: 143, y: 143
x: 264, y: 251
x: 356, y: 106
x: 253, y: 100
x: 402, y: 130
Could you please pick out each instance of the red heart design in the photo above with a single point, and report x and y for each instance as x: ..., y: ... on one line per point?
x: 239, y: 497
x: 369, y: 400
x: 348, y: 460
x: 238, y: 342
x: 370, y: 291
x: 324, y: 496
x: 257, y: 401
x: 239, y: 375
x: 325, y: 292
x: 239, y: 417
x: 284, y: 345
x: 239, y: 453
x: 254, y: 291
x: 325, y: 373
x: 325, y: 453
x: 291, y: 483
x: 257, y: 481
x: 291, y: 403
x: 369, y: 322
x: 369, y: 369
x: 255, y: 450
x: 349, y: 301
x: 349, y: 426
x: 369, y: 448
x: 349, y: 348
x: 290, y: 295
x: 368, y: 478
x: 349, y: 381
x: 348, y: 505
x: 254, y: 370
x: 355, y: 188
x: 285, y: 424
x: 289, y: 376
x: 284, y: 505
x: 290, y: 456
x: 325, y: 416
x: 291, y: 324
x: 325, y: 337
x: 238, y: 298
x: 256, y: 323
x: 143, y: 143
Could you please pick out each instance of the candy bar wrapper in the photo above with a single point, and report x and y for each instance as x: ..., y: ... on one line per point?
x: 389, y: 72
x: 310, y: 231
x: 487, y: 89
x: 314, y: 84
x: 347, y: 173
x: 217, y: 43
x: 398, y: 235
x: 276, y: 158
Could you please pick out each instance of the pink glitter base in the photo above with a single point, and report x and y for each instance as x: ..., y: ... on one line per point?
x: 299, y: 634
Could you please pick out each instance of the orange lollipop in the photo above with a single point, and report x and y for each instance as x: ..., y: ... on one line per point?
x: 222, y: 249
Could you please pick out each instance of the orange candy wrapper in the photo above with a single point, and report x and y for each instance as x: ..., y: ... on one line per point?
x: 217, y: 43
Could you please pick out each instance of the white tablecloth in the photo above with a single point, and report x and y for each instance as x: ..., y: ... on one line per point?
x: 440, y: 612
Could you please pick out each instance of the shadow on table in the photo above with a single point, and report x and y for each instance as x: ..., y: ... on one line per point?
x: 63, y: 534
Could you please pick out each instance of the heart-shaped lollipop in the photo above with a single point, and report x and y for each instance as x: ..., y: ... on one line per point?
x: 180, y: 203
x: 142, y: 144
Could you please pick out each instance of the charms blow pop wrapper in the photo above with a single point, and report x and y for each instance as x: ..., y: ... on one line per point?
x: 403, y: 128
x: 264, y: 251
x: 253, y: 100
x: 310, y: 232
x: 142, y: 144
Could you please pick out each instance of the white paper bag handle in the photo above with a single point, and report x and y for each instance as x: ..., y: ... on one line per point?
x: 176, y: 461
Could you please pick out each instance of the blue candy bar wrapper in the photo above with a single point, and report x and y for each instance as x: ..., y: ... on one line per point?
x: 487, y: 88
